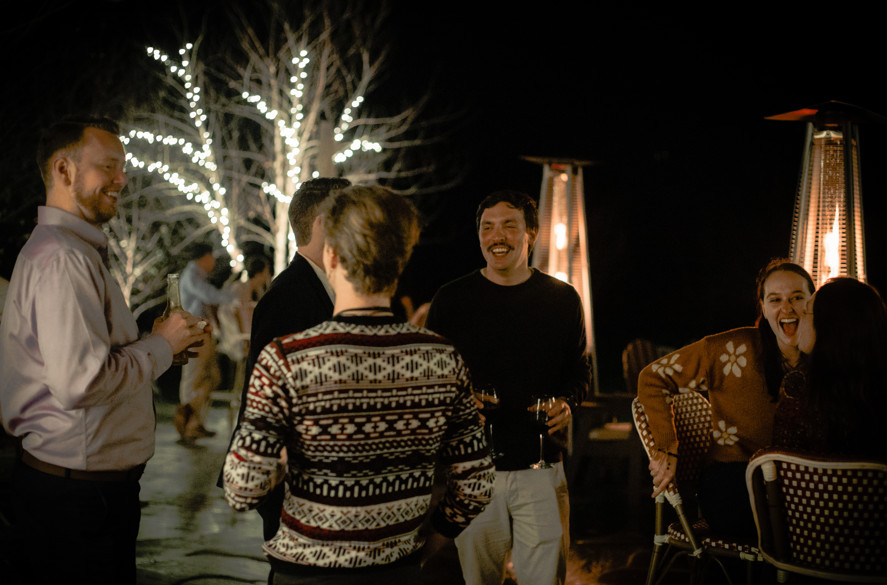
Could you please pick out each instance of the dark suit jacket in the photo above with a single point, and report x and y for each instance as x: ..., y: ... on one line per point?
x: 295, y: 301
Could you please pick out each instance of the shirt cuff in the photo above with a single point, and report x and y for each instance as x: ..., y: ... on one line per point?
x: 161, y: 352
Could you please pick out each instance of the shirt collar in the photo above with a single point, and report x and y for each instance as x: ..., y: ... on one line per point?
x: 60, y: 218
x: 323, y: 279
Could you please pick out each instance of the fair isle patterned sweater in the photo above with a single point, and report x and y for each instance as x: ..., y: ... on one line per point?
x: 365, y: 407
x: 730, y: 367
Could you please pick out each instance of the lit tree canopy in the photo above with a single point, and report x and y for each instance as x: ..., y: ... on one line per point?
x: 238, y: 130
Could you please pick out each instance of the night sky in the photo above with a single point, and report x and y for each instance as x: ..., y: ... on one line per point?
x: 691, y: 190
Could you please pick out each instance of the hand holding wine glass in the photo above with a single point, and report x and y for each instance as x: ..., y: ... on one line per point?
x: 539, y: 409
x: 488, y: 403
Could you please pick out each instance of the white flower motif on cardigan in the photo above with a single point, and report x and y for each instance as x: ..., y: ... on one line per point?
x: 667, y: 367
x: 725, y: 435
x: 692, y: 386
x: 734, y: 361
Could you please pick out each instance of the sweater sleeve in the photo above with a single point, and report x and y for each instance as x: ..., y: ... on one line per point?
x: 252, y: 460
x: 469, y: 469
x: 687, y: 369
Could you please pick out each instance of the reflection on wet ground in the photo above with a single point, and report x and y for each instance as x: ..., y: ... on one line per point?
x: 190, y: 535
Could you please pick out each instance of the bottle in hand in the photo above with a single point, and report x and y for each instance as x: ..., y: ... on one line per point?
x: 173, y: 304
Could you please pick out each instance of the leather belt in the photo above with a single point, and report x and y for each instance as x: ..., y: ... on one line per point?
x: 133, y: 474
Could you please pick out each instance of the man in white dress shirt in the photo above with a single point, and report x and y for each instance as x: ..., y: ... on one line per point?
x: 75, y: 376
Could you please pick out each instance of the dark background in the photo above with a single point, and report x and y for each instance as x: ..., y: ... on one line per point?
x: 691, y: 190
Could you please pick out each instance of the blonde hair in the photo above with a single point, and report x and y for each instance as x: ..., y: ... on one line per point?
x: 372, y: 231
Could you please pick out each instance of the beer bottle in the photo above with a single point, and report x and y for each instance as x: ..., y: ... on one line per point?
x: 173, y: 304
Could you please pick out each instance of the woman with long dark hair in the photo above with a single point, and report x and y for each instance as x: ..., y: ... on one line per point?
x: 836, y: 405
x: 741, y: 371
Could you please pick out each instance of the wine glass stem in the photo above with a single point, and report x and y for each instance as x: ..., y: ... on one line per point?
x: 541, y: 447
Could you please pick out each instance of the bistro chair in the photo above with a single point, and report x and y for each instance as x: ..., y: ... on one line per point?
x: 636, y: 355
x: 821, y: 517
x: 687, y: 538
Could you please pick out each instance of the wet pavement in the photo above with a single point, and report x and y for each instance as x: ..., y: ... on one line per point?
x: 189, y: 535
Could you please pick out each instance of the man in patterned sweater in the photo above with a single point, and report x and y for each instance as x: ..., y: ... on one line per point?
x: 355, y: 413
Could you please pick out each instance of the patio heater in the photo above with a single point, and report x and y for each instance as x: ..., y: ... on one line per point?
x: 828, y: 237
x: 561, y: 248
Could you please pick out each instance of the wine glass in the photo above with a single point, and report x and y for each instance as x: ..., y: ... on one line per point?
x: 539, y: 409
x: 489, y: 399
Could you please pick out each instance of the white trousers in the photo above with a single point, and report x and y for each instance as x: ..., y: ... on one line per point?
x: 528, y: 517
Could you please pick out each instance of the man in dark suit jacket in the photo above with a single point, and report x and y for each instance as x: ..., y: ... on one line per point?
x: 299, y: 297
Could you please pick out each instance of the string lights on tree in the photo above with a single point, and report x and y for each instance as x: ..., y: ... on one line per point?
x: 244, y: 117
x: 234, y: 144
x: 185, y: 158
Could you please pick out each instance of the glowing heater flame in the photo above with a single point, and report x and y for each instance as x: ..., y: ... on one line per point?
x: 832, y: 244
x: 560, y: 234
x: 828, y: 235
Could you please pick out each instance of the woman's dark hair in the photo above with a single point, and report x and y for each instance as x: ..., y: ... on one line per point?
x: 846, y: 380
x: 773, y: 371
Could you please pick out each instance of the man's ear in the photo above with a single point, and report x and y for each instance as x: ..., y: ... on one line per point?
x: 317, y: 227
x: 63, y: 170
x: 330, y: 259
x: 532, y: 237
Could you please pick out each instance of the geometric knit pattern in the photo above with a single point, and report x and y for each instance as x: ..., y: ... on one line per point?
x: 366, y: 410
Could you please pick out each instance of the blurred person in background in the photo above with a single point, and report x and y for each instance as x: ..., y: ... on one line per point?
x: 201, y: 376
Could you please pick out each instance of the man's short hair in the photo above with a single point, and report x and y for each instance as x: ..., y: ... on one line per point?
x: 199, y: 250
x: 373, y: 231
x: 303, y: 207
x: 516, y: 199
x: 67, y: 134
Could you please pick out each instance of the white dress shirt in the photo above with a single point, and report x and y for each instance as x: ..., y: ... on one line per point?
x: 75, y: 379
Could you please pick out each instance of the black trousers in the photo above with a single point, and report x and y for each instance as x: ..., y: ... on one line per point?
x: 73, y: 531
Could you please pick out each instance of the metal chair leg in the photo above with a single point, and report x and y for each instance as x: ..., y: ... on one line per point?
x: 660, y: 538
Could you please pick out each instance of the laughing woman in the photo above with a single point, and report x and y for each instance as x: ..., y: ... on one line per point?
x: 741, y: 370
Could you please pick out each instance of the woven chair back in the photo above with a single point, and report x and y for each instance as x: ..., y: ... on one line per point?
x: 692, y: 421
x: 833, y: 514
